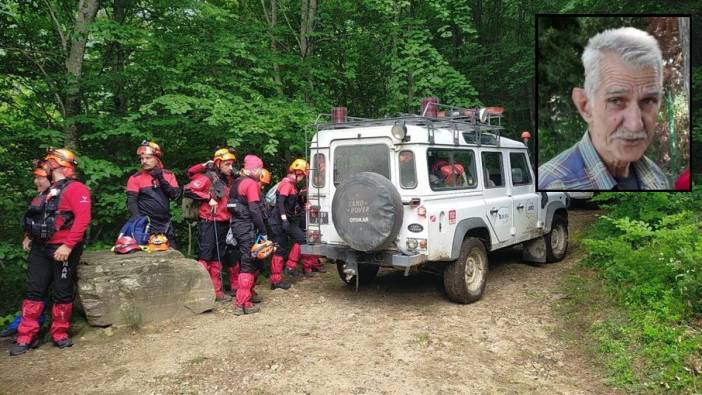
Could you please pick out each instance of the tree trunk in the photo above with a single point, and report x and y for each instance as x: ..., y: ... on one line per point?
x: 117, y: 60
x: 684, y: 30
x: 308, y: 13
x: 74, y: 62
x: 272, y: 20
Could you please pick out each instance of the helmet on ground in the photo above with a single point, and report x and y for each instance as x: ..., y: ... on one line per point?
x: 126, y: 244
x: 299, y: 166
x: 262, y: 249
x: 149, y: 148
x: 265, y: 177
x: 158, y: 242
x: 61, y: 156
x: 224, y: 154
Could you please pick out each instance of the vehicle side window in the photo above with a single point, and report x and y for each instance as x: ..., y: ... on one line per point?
x: 520, y: 169
x: 319, y: 170
x: 408, y: 172
x: 451, y: 169
x: 492, y: 169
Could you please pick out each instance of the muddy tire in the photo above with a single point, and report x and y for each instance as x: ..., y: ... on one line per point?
x: 557, y: 240
x: 367, y: 273
x: 464, y: 279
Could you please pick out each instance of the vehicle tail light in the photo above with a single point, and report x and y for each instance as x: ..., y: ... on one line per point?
x: 313, y: 236
x: 421, y: 211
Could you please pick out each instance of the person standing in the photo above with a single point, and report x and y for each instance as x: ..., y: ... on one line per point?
x: 247, y: 220
x: 211, y: 189
x: 56, y: 225
x: 150, y: 190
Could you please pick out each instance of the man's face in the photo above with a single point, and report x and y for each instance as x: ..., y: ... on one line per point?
x: 148, y: 162
x: 226, y: 167
x: 623, y: 110
x: 42, y: 183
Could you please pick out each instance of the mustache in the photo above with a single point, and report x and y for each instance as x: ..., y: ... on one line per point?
x: 626, y: 134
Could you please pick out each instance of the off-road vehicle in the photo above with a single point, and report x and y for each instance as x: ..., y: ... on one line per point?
x: 436, y: 191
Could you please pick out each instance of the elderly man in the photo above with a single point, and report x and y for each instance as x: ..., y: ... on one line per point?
x: 620, y: 101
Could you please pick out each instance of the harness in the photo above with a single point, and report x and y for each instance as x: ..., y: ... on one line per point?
x: 239, y: 206
x: 40, y: 220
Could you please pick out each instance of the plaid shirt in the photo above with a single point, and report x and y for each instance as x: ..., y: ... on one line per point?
x: 580, y: 167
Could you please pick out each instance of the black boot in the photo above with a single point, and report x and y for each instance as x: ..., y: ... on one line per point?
x: 19, y: 349
x: 281, y: 284
x: 294, y: 273
x: 63, y: 343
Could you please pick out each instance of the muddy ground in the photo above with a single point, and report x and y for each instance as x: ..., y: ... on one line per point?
x: 397, y: 335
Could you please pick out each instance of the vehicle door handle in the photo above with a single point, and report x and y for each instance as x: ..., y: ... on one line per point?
x: 521, y: 206
x: 493, y: 211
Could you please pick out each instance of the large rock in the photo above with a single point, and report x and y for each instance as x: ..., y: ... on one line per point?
x: 141, y: 287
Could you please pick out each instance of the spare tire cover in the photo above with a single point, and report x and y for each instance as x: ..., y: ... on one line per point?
x: 367, y: 212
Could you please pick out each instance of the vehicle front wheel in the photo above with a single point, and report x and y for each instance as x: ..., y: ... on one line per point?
x: 464, y: 279
x: 367, y: 273
x: 557, y: 240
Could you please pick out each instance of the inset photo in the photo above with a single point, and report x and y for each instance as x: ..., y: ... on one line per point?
x: 613, y: 103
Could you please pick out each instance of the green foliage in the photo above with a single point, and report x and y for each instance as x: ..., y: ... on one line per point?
x: 648, y: 249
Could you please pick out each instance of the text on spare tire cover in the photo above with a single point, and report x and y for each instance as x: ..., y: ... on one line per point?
x: 358, y: 210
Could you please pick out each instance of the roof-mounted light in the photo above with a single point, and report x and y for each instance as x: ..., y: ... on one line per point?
x: 399, y: 131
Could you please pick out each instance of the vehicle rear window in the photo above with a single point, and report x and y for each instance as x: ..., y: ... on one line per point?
x: 408, y: 172
x: 353, y: 159
x: 451, y: 169
x: 319, y: 170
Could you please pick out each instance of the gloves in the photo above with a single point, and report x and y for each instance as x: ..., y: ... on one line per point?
x: 286, y: 225
x: 156, y: 172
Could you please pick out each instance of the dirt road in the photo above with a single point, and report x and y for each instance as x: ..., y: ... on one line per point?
x: 398, y: 335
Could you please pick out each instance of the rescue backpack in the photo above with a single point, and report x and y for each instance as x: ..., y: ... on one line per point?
x: 137, y: 228
x: 272, y: 194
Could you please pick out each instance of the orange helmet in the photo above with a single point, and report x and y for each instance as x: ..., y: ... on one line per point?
x: 40, y: 168
x: 299, y: 166
x: 224, y: 154
x: 62, y: 156
x: 265, y: 177
x: 158, y: 242
x: 262, y: 249
x: 149, y: 148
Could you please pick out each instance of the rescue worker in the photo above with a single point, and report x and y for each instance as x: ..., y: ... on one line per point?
x: 287, y: 209
x: 56, y: 225
x: 264, y: 181
x: 211, y: 189
x: 150, y: 190
x: 247, y: 220
x: 42, y: 183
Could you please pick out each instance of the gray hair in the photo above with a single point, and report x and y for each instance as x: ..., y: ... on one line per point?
x: 635, y: 47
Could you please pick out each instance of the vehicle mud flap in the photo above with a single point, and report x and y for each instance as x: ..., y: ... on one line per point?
x: 367, y: 212
x: 534, y: 250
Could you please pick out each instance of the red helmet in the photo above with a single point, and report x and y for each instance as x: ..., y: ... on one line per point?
x: 439, y: 164
x: 456, y: 169
x: 125, y: 245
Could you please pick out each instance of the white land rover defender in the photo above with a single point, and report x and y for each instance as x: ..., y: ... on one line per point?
x: 434, y: 191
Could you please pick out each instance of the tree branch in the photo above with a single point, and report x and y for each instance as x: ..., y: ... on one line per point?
x: 59, y: 29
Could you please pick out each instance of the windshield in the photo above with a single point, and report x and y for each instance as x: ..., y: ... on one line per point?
x: 354, y: 159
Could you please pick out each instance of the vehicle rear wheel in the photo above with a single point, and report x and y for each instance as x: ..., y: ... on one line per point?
x: 367, y: 273
x: 557, y: 240
x: 464, y: 279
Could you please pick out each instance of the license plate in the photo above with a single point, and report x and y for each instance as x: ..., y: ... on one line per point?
x: 320, y: 218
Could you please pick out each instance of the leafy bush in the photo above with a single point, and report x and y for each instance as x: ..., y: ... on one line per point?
x: 649, y: 251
